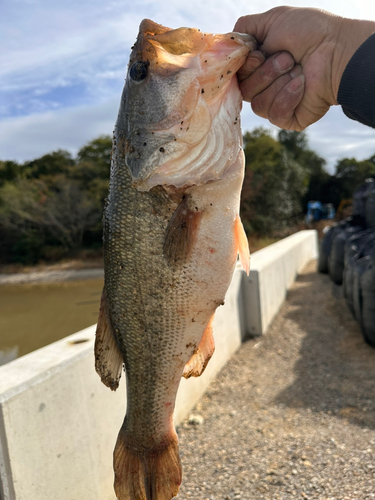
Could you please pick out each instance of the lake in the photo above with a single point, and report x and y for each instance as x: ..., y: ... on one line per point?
x: 37, y: 314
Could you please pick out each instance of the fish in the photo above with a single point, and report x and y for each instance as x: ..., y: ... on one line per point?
x: 172, y: 234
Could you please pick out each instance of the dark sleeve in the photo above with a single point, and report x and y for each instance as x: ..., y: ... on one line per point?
x: 356, y: 92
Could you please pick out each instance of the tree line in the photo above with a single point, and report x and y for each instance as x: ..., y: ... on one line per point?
x: 51, y: 207
x: 282, y: 175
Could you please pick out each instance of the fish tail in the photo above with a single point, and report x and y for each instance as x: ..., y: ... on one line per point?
x: 149, y: 474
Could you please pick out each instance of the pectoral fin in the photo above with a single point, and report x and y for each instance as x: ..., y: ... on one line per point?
x: 202, y: 355
x: 108, y: 358
x: 181, y: 234
x: 242, y: 244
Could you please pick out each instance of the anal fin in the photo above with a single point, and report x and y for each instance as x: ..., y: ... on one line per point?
x: 242, y: 244
x: 202, y: 355
x: 108, y: 358
x: 181, y: 233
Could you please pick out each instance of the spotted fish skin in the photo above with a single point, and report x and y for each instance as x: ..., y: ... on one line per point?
x: 171, y: 237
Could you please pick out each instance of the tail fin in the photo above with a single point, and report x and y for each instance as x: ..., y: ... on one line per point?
x: 153, y: 474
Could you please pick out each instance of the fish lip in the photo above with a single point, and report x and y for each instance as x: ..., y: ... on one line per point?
x: 240, y: 38
x: 245, y: 38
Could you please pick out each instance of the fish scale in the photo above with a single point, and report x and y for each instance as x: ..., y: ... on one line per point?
x: 171, y: 238
x: 143, y: 218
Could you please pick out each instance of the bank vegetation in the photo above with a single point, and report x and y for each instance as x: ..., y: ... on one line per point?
x: 51, y: 207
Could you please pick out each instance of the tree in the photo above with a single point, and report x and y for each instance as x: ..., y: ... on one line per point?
x: 93, y: 168
x: 96, y: 158
x: 54, y: 202
x: 9, y: 171
x: 317, y: 176
x: 352, y: 173
x: 21, y: 235
x: 294, y: 142
x: 38, y: 216
x: 68, y: 212
x: 57, y: 162
x: 273, y: 186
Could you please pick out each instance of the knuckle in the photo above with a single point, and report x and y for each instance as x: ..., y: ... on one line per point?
x: 241, y: 24
x: 259, y: 107
x: 266, y: 74
x: 280, y: 111
x: 247, y: 90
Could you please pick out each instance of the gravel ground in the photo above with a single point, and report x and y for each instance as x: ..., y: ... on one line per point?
x: 292, y: 415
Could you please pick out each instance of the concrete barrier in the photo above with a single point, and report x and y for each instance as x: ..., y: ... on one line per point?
x: 59, y: 423
x: 272, y: 271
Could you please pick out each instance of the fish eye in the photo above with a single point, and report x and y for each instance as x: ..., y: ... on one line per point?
x: 139, y: 71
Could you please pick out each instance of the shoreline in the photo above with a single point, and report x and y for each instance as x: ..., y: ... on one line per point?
x: 51, y: 276
x: 66, y: 270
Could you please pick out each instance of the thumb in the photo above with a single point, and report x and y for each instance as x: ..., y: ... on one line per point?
x: 260, y: 25
x: 254, y: 24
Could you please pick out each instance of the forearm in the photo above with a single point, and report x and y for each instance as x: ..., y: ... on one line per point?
x: 356, y: 92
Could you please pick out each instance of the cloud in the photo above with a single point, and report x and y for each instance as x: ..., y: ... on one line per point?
x: 62, y: 67
x: 334, y: 137
x: 27, y: 137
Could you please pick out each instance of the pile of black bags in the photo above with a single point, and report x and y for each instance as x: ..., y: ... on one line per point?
x: 347, y: 254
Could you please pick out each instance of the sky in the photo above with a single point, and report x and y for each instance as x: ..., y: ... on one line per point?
x: 63, y: 64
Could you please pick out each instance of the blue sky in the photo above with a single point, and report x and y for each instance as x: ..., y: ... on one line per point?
x: 63, y: 64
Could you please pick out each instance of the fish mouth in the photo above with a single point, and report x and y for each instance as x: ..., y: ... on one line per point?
x: 194, y: 77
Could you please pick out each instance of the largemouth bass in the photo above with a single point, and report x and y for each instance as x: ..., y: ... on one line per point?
x: 172, y: 233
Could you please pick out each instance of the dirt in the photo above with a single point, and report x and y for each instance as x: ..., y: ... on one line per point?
x: 292, y: 415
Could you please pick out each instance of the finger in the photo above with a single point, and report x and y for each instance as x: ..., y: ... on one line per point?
x: 278, y: 102
x: 283, y: 109
x: 266, y: 74
x: 263, y: 102
x: 254, y: 25
x: 258, y: 25
x: 252, y: 62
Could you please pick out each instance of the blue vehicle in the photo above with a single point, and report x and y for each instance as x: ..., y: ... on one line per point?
x: 317, y: 211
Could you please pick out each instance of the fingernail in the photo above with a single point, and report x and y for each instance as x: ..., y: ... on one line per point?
x: 296, y: 84
x: 283, y: 61
x: 253, y: 63
x: 296, y: 71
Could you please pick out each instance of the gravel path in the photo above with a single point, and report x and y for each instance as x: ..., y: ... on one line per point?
x: 292, y: 415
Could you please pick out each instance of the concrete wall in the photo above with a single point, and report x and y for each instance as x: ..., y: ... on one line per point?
x: 59, y: 423
x: 272, y: 271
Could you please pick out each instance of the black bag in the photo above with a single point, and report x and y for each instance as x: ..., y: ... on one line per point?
x: 367, y: 288
x: 370, y: 204
x: 336, y: 257
x: 359, y: 268
x: 359, y: 200
x: 352, y: 252
x: 325, y: 250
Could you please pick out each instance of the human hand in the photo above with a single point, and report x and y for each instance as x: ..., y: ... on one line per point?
x: 293, y: 96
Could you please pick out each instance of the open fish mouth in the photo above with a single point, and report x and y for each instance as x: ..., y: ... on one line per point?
x: 181, y: 105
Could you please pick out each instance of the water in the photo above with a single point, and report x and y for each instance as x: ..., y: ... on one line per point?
x: 35, y: 315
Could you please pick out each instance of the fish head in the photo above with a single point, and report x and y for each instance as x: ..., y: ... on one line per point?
x: 180, y: 97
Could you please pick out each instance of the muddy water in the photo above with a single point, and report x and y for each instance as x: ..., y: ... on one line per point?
x: 35, y: 315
